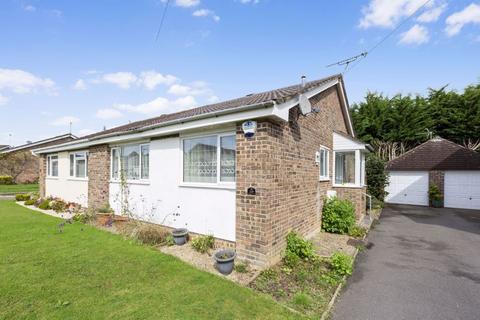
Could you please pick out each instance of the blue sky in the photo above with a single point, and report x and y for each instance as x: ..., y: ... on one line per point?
x: 97, y: 63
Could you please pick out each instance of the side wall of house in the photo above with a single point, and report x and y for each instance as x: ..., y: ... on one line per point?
x: 279, y: 161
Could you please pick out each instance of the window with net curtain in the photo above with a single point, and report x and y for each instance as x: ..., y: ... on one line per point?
x: 132, y: 160
x: 345, y: 167
x: 200, y: 156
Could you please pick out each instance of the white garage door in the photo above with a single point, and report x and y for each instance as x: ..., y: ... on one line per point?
x: 408, y: 187
x: 462, y: 189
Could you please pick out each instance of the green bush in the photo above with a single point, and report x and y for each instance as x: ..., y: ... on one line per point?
x: 357, y: 232
x: 169, y: 240
x: 30, y: 202
x: 105, y: 209
x: 290, y: 259
x: 150, y: 234
x: 241, y: 267
x: 376, y: 176
x: 299, y: 247
x: 338, y: 215
x: 434, y: 193
x: 58, y: 205
x: 341, y: 264
x: 44, y: 204
x: 22, y: 197
x: 203, y: 243
x: 6, y: 180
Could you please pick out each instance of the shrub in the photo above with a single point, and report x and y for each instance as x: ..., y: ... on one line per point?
x: 290, y: 259
x: 357, y: 232
x: 341, y: 264
x: 302, y: 248
x: 434, y: 193
x: 376, y: 176
x: 150, y: 234
x: 6, y: 180
x: 338, y: 215
x: 203, y: 243
x: 22, y: 197
x: 30, y: 202
x: 58, y: 205
x: 44, y: 204
x: 105, y: 209
x: 241, y: 267
x: 169, y: 241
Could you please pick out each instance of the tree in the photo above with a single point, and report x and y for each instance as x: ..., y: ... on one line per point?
x: 376, y: 176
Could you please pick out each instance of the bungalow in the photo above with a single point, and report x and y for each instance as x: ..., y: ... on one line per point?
x: 246, y: 170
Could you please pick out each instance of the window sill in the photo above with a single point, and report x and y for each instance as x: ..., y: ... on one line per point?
x: 208, y: 185
x: 52, y: 178
x: 139, y: 182
x: 77, y: 179
x: 351, y: 186
x: 323, y: 179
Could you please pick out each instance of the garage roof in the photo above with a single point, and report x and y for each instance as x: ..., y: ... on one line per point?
x: 437, y: 154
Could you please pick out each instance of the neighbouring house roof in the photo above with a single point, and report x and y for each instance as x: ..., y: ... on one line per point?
x: 277, y: 100
x: 4, y: 147
x: 437, y: 154
x: 49, y: 141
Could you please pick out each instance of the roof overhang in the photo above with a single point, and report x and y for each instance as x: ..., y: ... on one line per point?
x: 268, y: 109
x: 40, y: 142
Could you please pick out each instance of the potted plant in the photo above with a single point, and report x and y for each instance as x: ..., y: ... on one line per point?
x: 436, y: 199
x: 225, y: 260
x: 180, y: 236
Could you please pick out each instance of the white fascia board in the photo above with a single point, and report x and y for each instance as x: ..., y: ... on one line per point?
x: 346, y: 108
x: 266, y: 111
x: 37, y: 143
x: 281, y: 110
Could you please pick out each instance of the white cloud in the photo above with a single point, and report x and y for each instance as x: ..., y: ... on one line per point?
x: 20, y: 81
x: 108, y: 113
x: 249, y: 1
x: 29, y: 8
x: 123, y: 80
x: 85, y: 132
x: 387, y: 13
x: 197, y: 88
x: 151, y: 79
x: 3, y: 100
x: 415, y: 35
x: 159, y: 105
x: 206, y: 13
x: 64, y: 121
x: 456, y: 21
x: 80, y: 85
x: 433, y: 14
x: 187, y: 3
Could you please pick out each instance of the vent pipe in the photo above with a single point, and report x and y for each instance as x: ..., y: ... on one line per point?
x: 303, y: 81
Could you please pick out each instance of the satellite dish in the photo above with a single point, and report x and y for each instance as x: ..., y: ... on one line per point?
x: 305, y: 105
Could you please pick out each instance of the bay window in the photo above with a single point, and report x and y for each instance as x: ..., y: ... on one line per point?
x: 209, y: 159
x: 52, y: 165
x: 133, y: 161
x: 324, y: 163
x: 79, y: 164
x: 345, y: 167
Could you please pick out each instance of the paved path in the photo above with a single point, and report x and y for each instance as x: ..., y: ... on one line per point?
x: 422, y: 263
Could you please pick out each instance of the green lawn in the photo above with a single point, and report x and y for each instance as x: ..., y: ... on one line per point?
x: 85, y: 273
x: 18, y: 188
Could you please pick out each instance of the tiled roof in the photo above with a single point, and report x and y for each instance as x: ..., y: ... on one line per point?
x: 251, y: 99
x: 437, y: 154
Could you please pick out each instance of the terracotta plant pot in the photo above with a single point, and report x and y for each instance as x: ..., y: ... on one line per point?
x: 103, y: 218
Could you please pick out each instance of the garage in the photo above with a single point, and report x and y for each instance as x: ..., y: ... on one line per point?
x: 462, y: 189
x: 408, y: 187
x: 452, y: 168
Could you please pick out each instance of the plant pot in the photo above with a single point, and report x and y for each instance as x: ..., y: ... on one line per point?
x: 103, y: 218
x: 180, y: 236
x: 225, y: 260
x: 437, y: 203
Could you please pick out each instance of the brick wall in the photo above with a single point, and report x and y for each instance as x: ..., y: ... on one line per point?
x: 357, y: 196
x: 279, y: 161
x: 42, y: 173
x: 98, y: 176
x: 437, y: 178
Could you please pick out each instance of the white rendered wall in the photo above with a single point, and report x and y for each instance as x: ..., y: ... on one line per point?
x: 201, y: 210
x: 66, y: 187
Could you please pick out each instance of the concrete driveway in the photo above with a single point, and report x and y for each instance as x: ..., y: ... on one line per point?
x: 421, y: 263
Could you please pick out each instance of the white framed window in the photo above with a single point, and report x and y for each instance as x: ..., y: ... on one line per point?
x: 79, y: 164
x: 324, y: 163
x: 131, y: 160
x: 52, y: 165
x: 209, y: 159
x: 345, y: 167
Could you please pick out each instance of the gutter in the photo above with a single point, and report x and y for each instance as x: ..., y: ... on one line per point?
x: 92, y: 140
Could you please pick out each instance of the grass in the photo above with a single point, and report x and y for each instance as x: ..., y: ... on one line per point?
x: 85, y: 273
x: 18, y: 188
